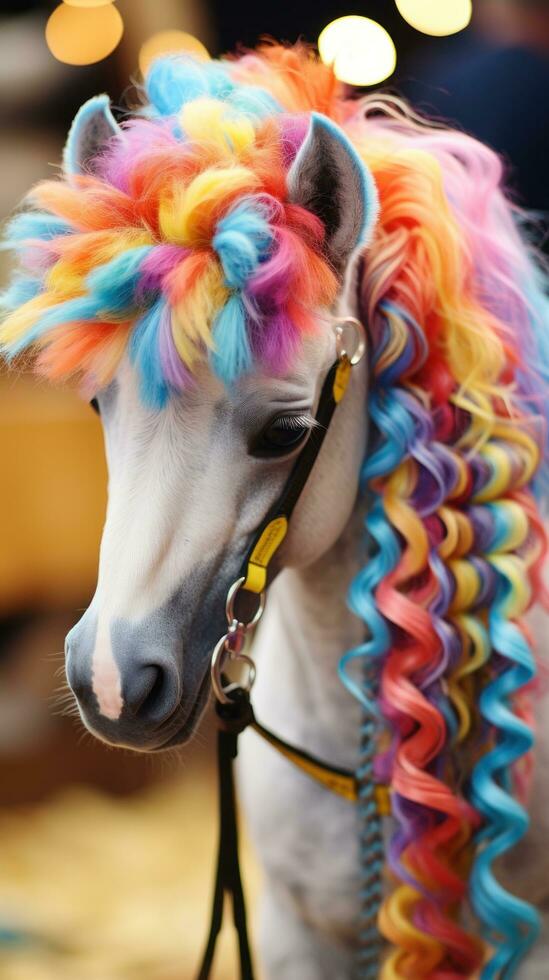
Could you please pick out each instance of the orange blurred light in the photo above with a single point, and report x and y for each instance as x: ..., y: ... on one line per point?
x: 88, y: 3
x: 170, y: 42
x: 83, y: 35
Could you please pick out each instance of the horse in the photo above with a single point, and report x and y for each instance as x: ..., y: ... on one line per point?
x: 194, y: 267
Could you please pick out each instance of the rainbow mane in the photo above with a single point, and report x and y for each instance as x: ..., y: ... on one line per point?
x: 184, y: 248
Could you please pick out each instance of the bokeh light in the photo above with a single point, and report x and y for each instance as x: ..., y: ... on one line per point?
x: 436, y: 17
x: 88, y: 3
x: 360, y: 50
x: 170, y: 42
x: 83, y: 35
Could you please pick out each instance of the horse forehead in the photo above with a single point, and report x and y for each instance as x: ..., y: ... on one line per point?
x: 200, y: 429
x: 186, y: 423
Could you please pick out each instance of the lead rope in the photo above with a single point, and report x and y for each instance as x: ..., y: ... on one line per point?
x: 233, y: 717
x: 371, y: 849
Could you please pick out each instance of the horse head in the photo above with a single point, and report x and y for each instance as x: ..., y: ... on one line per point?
x: 232, y: 296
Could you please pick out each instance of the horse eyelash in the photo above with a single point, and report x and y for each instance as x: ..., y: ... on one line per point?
x: 297, y: 421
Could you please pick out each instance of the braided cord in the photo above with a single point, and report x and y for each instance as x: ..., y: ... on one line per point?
x: 371, y: 848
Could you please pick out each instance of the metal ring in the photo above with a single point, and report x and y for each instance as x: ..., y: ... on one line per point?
x: 229, y: 606
x: 360, y: 334
x: 248, y: 662
x: 221, y: 655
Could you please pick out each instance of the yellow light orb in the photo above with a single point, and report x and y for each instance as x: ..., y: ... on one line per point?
x: 436, y: 17
x: 359, y: 49
x: 83, y: 35
x: 170, y: 42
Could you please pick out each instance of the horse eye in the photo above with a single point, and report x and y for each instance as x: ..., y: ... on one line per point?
x: 95, y: 405
x: 281, y: 435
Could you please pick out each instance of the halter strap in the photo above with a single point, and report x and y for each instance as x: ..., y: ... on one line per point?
x: 273, y: 529
x: 342, y: 782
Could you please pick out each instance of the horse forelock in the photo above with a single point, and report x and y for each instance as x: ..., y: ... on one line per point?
x: 181, y: 245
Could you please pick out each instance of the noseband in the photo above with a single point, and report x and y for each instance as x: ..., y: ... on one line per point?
x: 233, y: 707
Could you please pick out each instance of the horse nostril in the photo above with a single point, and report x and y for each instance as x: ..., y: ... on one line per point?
x: 151, y: 694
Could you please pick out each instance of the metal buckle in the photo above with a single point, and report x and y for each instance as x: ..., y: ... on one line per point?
x: 229, y: 605
x: 344, y: 348
x: 228, y: 649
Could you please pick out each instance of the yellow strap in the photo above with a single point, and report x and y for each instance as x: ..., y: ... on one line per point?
x: 270, y: 539
x: 383, y: 800
x: 341, y: 379
x: 339, y: 783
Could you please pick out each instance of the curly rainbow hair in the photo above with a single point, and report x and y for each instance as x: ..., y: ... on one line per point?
x: 183, y: 247
x: 458, y: 314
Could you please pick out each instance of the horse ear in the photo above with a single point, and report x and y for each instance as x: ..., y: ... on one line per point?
x: 328, y: 178
x: 93, y: 125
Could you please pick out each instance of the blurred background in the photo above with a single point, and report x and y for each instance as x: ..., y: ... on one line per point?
x: 106, y: 857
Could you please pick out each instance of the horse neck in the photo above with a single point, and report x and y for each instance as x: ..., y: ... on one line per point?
x: 307, y: 627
